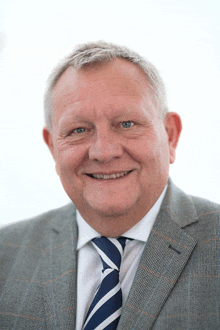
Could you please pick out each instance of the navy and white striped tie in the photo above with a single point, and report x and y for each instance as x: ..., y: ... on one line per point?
x: 105, y: 310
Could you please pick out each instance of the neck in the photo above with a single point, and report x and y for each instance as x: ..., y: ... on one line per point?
x: 113, y: 225
x: 116, y: 224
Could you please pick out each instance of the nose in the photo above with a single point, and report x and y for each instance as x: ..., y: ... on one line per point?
x: 105, y: 147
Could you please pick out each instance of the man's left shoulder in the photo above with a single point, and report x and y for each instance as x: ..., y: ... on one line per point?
x: 205, y: 207
x: 206, y: 228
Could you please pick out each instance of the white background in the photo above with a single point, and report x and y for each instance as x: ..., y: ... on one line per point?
x: 181, y: 37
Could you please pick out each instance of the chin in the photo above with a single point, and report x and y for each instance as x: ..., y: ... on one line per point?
x: 111, y: 205
x: 112, y: 210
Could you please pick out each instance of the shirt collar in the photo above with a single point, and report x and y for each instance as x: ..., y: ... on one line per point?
x: 140, y: 231
x: 85, y: 232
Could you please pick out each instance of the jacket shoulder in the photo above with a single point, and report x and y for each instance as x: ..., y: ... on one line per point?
x: 29, y: 237
x: 18, y: 230
x: 204, y: 206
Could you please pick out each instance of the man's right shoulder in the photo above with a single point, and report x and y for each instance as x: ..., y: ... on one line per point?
x: 25, y: 244
x: 37, y: 225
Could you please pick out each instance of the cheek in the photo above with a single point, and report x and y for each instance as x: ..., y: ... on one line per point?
x: 69, y: 161
x: 153, y: 154
x: 145, y: 151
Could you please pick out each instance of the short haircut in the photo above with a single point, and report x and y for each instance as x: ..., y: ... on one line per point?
x: 99, y: 52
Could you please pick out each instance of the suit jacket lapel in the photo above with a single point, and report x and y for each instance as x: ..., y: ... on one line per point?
x: 58, y: 271
x: 164, y: 258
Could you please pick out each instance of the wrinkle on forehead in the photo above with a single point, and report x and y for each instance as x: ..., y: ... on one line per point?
x: 77, y: 90
x: 101, y: 74
x: 73, y: 100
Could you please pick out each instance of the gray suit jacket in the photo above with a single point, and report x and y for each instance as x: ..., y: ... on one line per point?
x: 176, y: 286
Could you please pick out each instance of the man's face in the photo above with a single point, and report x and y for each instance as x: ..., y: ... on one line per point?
x: 112, y: 150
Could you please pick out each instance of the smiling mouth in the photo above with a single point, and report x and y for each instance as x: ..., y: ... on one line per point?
x: 108, y: 177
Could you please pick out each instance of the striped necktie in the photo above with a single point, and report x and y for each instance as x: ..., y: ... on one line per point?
x: 105, y: 310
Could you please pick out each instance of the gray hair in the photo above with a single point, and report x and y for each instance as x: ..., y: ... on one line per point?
x: 98, y: 52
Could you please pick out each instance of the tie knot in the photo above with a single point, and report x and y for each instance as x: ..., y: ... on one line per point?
x: 110, y: 251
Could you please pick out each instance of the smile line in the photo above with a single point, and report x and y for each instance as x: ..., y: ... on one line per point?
x: 108, y: 177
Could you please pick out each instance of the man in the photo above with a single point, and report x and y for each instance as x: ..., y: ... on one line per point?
x: 112, y: 139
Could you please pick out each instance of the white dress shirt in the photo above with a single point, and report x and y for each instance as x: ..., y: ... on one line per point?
x: 90, y: 265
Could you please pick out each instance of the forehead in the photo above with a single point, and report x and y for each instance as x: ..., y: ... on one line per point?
x: 115, y: 82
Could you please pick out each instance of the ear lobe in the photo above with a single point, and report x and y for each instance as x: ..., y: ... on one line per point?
x: 47, y: 136
x: 173, y: 127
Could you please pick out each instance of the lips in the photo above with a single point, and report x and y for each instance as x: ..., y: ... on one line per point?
x: 109, y: 176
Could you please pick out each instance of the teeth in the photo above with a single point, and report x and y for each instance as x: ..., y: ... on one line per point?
x: 107, y: 177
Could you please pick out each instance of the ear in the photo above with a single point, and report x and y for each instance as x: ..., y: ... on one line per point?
x: 173, y: 127
x: 48, y: 139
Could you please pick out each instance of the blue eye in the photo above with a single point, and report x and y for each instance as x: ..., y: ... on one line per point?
x: 127, y: 124
x: 79, y: 130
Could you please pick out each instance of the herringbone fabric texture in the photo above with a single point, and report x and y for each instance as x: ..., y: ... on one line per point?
x: 105, y: 310
x: 176, y: 286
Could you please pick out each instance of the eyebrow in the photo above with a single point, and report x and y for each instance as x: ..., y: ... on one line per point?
x: 82, y: 114
x: 70, y: 120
